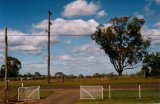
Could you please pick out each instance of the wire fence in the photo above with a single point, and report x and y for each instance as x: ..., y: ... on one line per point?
x: 132, y: 91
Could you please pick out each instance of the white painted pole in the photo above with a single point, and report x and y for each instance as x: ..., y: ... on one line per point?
x: 38, y: 92
x: 139, y: 91
x: 109, y: 92
x: 22, y: 84
x: 81, y: 92
x: 102, y: 92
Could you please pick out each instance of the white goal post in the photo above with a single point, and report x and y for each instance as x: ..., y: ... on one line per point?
x: 28, y: 93
x: 91, y: 92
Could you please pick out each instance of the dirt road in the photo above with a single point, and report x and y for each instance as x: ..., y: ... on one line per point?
x: 61, y: 97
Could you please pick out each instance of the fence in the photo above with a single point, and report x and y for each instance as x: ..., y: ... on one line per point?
x: 28, y: 93
x: 137, y: 91
x: 91, y: 92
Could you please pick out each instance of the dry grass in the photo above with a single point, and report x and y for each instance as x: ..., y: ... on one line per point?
x: 86, y: 81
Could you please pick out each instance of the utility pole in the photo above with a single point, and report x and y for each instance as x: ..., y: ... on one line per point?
x: 6, y: 66
x: 49, y: 23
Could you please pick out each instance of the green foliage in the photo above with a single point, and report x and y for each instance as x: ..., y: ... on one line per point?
x: 59, y: 74
x: 122, y: 42
x: 151, y: 64
x: 14, y: 65
x: 81, y: 76
x: 37, y: 74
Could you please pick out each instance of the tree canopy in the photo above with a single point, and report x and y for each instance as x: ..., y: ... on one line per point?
x: 14, y: 65
x: 151, y: 64
x: 59, y: 74
x: 122, y: 42
x: 37, y: 74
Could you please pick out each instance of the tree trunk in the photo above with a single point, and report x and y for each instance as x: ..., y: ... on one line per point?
x: 120, y: 72
x: 146, y: 73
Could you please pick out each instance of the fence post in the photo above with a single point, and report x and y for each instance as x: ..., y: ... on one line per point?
x: 80, y: 92
x: 102, y: 92
x: 21, y: 82
x: 39, y: 92
x: 109, y: 92
x: 139, y: 91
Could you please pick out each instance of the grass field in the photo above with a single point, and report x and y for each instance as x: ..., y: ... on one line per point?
x: 126, y: 97
x: 85, y: 81
x: 119, y: 96
x: 13, y: 94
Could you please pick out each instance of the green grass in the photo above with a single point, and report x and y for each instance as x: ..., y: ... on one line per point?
x: 126, y: 97
x: 45, y: 93
x: 118, y: 97
x: 12, y: 95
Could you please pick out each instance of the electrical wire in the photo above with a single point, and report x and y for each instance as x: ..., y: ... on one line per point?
x: 47, y: 35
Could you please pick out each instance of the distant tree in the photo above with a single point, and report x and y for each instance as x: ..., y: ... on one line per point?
x: 25, y: 75
x: 59, y: 74
x: 151, y: 64
x: 80, y: 76
x: 88, y: 76
x: 37, y: 74
x: 96, y: 75
x: 122, y: 42
x: 29, y: 74
x: 71, y: 76
x: 14, y: 65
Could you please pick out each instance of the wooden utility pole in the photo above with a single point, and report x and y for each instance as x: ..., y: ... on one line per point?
x: 6, y: 66
x: 49, y: 23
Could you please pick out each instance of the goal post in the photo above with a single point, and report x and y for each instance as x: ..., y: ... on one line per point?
x: 28, y: 93
x: 91, y: 92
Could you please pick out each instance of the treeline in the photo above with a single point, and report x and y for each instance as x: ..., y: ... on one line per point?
x: 60, y: 75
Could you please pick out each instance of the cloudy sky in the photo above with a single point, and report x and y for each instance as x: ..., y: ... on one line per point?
x: 77, y: 54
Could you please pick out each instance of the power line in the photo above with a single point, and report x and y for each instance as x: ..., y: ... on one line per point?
x: 66, y: 35
x: 148, y: 36
x: 47, y: 35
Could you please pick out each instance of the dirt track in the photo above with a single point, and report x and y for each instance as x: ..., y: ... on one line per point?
x: 61, y: 97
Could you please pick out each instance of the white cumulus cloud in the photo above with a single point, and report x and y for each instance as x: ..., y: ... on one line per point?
x: 101, y: 13
x: 152, y: 33
x: 80, y: 8
x: 69, y: 27
x: 157, y: 24
x: 157, y: 1
x: 83, y: 8
x: 25, y: 42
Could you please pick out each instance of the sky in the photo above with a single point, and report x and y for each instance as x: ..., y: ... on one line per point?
x: 76, y: 54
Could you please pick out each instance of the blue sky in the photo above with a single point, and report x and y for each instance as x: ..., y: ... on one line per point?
x: 69, y: 54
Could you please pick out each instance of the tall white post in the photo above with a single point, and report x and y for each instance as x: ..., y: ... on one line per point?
x: 39, y: 92
x: 102, y: 92
x: 81, y: 92
x: 22, y: 84
x: 139, y: 91
x: 109, y: 92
